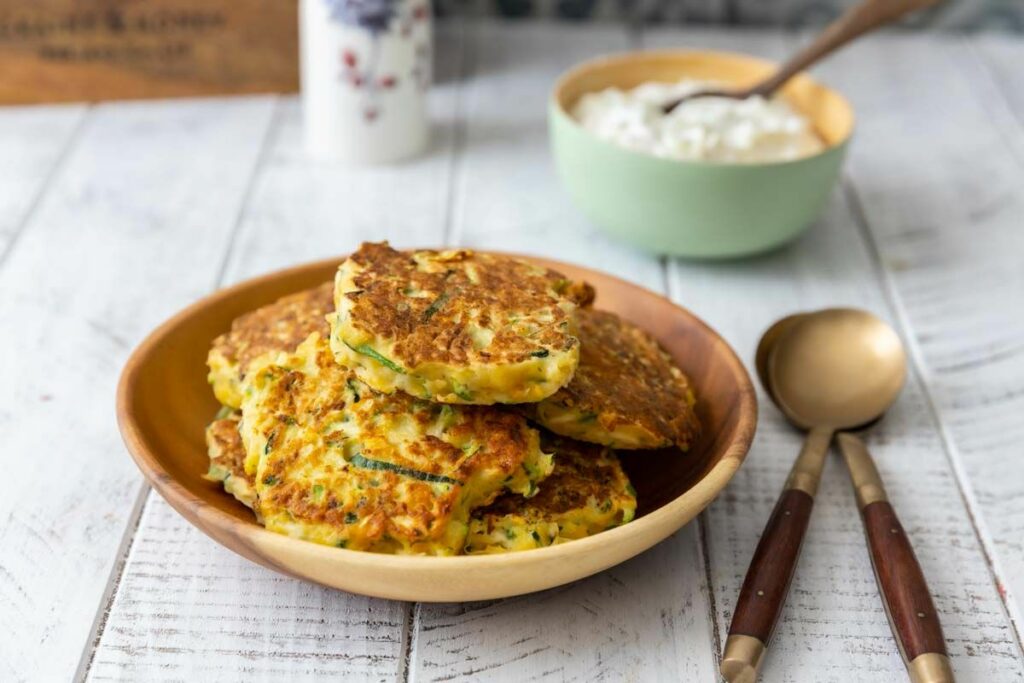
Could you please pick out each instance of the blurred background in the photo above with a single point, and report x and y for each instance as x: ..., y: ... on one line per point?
x: 71, y: 50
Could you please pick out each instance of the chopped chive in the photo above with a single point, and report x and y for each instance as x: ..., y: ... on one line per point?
x: 535, y: 535
x: 542, y: 353
x: 270, y: 443
x: 351, y: 518
x: 509, y: 534
x: 269, y: 480
x: 342, y: 543
x: 367, y: 350
x: 366, y: 463
x: 318, y: 491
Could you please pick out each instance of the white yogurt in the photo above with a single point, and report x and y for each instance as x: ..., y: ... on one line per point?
x: 704, y: 129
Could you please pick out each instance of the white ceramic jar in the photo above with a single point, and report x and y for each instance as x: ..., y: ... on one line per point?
x: 365, y: 74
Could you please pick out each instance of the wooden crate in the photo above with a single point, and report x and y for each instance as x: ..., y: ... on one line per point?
x: 71, y: 50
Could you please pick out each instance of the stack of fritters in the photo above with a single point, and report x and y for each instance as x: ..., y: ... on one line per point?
x: 397, y: 417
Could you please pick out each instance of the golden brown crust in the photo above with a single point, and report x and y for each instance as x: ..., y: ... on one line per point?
x: 280, y: 326
x: 341, y: 464
x: 624, y: 381
x: 583, y: 473
x: 224, y: 444
x: 429, y: 302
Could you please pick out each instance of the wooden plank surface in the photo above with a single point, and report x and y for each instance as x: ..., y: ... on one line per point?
x: 126, y: 215
x: 646, y: 619
x: 34, y: 141
x: 128, y: 231
x: 269, y: 626
x: 833, y: 602
x: 984, y: 400
x: 941, y: 196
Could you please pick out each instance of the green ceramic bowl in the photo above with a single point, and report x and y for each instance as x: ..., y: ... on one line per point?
x: 693, y: 208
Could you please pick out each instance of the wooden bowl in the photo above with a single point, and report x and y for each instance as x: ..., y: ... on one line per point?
x: 164, y: 404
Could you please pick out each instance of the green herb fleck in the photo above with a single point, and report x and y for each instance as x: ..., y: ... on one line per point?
x: 461, y: 391
x: 542, y: 353
x: 270, y: 443
x: 367, y: 350
x: 535, y: 535
x: 217, y: 473
x: 509, y: 534
x: 446, y: 416
x: 342, y: 543
x: 269, y: 480
x: 351, y: 518
x: 350, y: 383
x: 435, y: 306
x: 318, y: 491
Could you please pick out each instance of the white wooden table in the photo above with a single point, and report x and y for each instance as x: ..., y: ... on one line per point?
x: 114, y: 216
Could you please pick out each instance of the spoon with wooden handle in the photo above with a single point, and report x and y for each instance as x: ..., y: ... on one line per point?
x: 813, y: 340
x: 855, y: 22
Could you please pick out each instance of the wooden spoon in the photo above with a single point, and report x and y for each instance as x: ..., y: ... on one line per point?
x: 835, y: 345
x: 855, y: 22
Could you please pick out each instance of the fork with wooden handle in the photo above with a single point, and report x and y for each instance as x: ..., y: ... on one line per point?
x: 901, y: 583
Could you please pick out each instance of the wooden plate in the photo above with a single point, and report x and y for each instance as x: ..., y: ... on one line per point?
x: 164, y: 404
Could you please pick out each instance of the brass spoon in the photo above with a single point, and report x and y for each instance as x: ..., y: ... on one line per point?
x: 836, y: 345
x: 855, y: 22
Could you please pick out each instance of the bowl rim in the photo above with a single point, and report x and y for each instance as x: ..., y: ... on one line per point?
x: 198, y: 512
x: 616, y: 58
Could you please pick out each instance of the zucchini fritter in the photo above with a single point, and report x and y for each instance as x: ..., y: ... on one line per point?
x: 280, y: 326
x: 455, y: 326
x: 339, y: 464
x: 587, y: 493
x: 627, y: 392
x: 227, y: 458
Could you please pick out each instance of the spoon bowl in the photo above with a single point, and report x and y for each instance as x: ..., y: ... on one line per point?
x: 838, y: 368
